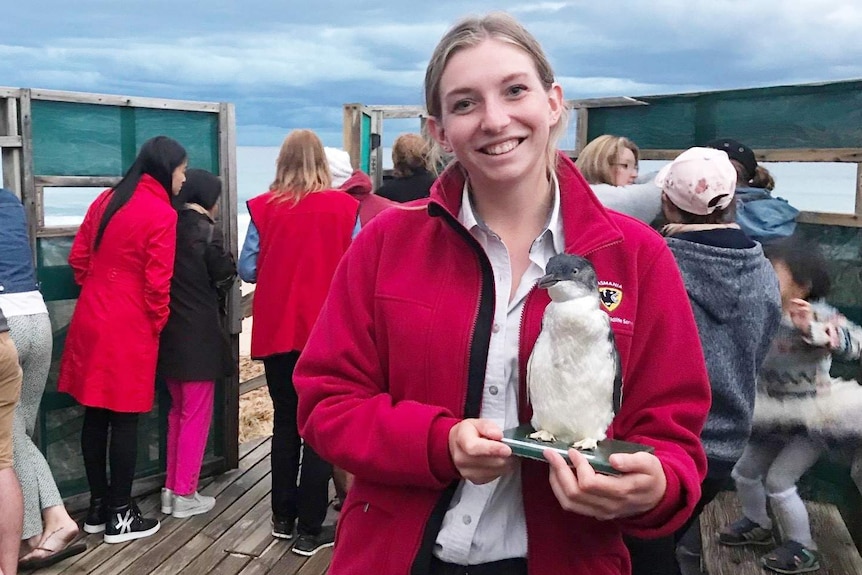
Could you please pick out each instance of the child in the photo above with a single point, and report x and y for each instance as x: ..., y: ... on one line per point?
x: 794, y: 384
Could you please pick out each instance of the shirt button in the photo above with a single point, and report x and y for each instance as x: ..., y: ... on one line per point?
x: 493, y: 390
x: 467, y: 520
x: 496, y: 328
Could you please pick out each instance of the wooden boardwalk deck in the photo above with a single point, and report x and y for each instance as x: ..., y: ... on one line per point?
x: 232, y: 539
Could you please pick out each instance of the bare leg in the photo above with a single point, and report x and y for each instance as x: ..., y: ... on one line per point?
x: 59, y: 530
x: 12, y: 511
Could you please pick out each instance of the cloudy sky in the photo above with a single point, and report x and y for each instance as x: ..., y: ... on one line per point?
x: 289, y: 64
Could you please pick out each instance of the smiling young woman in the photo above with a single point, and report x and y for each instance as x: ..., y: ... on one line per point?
x: 413, y: 368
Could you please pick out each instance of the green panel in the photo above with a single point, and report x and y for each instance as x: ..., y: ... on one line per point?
x: 365, y: 144
x: 665, y: 124
x: 56, y: 280
x: 196, y: 131
x: 74, y: 139
x: 71, y: 139
x: 807, y: 116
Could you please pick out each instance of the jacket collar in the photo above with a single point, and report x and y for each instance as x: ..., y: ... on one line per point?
x: 587, y: 226
x: 152, y: 185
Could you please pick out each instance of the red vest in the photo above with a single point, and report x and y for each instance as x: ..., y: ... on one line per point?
x: 300, y: 247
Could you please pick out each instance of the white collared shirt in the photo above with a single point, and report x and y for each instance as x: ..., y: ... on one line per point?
x: 486, y: 522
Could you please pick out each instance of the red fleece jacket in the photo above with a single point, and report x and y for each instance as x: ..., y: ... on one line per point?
x: 398, y: 357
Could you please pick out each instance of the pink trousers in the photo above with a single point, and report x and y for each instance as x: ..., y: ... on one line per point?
x: 188, y: 427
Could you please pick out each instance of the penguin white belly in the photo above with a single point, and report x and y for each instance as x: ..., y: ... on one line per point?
x: 571, y: 373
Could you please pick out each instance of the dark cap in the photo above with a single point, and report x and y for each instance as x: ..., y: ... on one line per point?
x: 736, y: 151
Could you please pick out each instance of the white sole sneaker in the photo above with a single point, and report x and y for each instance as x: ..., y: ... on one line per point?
x: 167, y: 501
x: 94, y: 528
x: 197, y: 504
x: 131, y: 535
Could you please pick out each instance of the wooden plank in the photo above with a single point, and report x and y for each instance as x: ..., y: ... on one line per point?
x: 247, y: 304
x: 11, y: 158
x: 218, y: 541
x: 255, y: 452
x: 248, y: 446
x: 10, y: 141
x: 100, y: 552
x: 289, y: 563
x: 317, y: 564
x: 231, y: 564
x: 838, y: 552
x: 839, y: 555
x: 352, y: 133
x: 275, y: 551
x: 29, y: 194
x: 6, y: 92
x: 834, y: 155
x: 254, y: 383
x: 582, y: 115
x: 131, y: 101
x: 183, y: 534
x: 612, y: 102
x: 404, y: 112
x: 78, y: 181
x: 848, y: 220
x: 256, y: 531
x: 859, y: 189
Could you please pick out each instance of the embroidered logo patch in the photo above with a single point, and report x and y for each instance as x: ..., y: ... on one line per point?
x: 611, y: 297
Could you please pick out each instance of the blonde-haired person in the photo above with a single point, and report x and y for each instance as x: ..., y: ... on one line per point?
x: 610, y: 164
x: 414, y: 368
x: 411, y: 178
x: 299, y: 230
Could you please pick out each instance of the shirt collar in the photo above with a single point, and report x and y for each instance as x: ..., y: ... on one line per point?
x: 554, y: 226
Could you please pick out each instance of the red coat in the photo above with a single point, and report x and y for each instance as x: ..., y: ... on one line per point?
x: 398, y: 357
x: 109, y: 359
x: 300, y: 247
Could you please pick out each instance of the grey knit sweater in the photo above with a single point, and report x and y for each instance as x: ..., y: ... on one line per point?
x: 797, y: 363
x: 737, y: 306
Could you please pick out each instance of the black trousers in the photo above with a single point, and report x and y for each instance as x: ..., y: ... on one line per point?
x: 658, y: 556
x: 123, y: 453
x: 503, y: 567
x: 306, y: 501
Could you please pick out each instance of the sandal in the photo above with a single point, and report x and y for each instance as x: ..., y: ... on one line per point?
x: 791, y: 558
x: 72, y: 547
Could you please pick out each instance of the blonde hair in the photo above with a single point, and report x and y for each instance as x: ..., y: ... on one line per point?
x: 471, y: 32
x: 301, y: 168
x: 597, y: 158
x: 409, y: 155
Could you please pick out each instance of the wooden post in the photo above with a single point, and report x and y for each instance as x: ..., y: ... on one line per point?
x: 30, y: 195
x: 227, y: 171
x: 352, y: 133
x: 11, y: 136
x: 582, y: 128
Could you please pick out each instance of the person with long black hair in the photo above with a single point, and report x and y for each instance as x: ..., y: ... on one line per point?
x: 123, y: 259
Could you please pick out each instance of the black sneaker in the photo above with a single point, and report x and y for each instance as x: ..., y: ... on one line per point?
x: 126, y: 523
x: 308, y: 545
x: 97, y: 515
x: 745, y: 532
x: 282, y: 528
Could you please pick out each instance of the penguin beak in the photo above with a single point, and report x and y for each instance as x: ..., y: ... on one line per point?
x: 548, y: 280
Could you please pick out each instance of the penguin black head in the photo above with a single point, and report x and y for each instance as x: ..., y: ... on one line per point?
x: 569, y: 268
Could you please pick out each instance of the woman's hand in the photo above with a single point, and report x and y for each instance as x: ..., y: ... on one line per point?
x: 579, y: 489
x: 477, y: 452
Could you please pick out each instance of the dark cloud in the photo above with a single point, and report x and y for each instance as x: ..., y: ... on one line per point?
x: 290, y: 64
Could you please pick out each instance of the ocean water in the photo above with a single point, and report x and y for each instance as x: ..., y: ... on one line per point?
x: 822, y: 187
